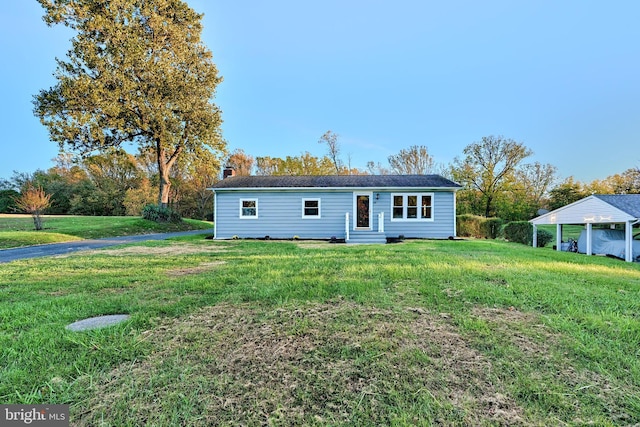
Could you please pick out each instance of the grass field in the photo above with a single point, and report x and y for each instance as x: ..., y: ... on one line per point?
x: 18, y: 230
x: 310, y: 333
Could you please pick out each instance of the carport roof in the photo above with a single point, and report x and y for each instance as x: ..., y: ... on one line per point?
x: 629, y: 203
x: 599, y: 208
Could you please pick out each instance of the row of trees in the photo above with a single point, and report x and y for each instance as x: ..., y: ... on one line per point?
x: 116, y: 183
x: 497, y: 179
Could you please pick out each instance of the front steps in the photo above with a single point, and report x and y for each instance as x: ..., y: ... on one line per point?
x: 366, y: 237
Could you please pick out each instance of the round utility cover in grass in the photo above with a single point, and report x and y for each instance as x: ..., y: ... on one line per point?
x: 97, y: 322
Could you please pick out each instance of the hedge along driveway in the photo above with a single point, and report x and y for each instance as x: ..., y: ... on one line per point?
x: 8, y: 255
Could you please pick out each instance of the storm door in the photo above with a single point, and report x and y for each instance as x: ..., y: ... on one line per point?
x: 362, y: 210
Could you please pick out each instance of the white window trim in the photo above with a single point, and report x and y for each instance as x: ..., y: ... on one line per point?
x: 248, y: 216
x: 319, y: 208
x: 405, y: 196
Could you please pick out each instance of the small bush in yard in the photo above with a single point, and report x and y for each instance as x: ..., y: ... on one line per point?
x: 544, y: 237
x: 34, y: 201
x: 522, y: 232
x: 160, y: 214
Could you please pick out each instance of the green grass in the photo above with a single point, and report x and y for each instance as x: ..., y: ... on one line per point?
x: 14, y: 239
x: 282, y: 333
x: 18, y: 231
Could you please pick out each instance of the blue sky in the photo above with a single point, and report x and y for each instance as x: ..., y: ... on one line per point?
x: 562, y: 77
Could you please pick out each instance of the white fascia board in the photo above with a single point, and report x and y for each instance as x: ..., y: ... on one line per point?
x: 349, y: 189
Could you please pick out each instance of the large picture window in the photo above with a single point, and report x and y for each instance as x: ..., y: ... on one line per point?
x: 311, y: 208
x: 412, y: 207
x: 249, y: 208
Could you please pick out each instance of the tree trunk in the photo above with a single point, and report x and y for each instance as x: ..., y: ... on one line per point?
x: 163, y: 172
x: 487, y: 208
x: 37, y: 221
x: 165, y: 187
x: 164, y: 169
x: 163, y: 196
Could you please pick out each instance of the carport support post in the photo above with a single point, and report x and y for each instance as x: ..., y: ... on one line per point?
x: 589, y: 239
x: 558, y: 237
x: 535, y: 236
x: 628, y: 241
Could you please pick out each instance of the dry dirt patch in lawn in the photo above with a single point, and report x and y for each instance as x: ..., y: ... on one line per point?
x: 316, y: 363
x: 204, y: 267
x: 310, y: 244
x: 172, y: 249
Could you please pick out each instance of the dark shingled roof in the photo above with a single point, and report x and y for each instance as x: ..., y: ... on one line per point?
x: 629, y: 203
x: 337, y: 181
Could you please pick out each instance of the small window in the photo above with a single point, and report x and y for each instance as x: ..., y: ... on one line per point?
x: 248, y: 208
x: 412, y: 207
x: 311, y: 208
x: 426, y: 207
x: 398, y: 210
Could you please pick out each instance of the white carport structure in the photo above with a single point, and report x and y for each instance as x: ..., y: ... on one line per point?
x: 596, y: 209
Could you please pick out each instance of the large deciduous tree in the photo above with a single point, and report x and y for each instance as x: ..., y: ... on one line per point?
x: 241, y: 162
x: 628, y: 182
x: 536, y: 180
x: 192, y: 176
x: 566, y: 192
x: 137, y: 72
x: 414, y: 160
x: 111, y: 176
x: 488, y: 166
x: 305, y: 164
x: 333, y: 146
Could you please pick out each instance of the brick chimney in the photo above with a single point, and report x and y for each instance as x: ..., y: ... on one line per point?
x: 228, y: 172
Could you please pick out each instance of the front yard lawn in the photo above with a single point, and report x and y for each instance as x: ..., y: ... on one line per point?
x: 311, y: 333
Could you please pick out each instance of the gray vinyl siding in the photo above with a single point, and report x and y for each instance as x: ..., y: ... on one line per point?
x: 280, y: 214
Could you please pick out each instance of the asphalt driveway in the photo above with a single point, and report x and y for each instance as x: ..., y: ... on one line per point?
x: 8, y: 255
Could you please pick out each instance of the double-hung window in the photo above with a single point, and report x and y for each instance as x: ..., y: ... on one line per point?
x: 310, y: 208
x: 248, y: 208
x: 412, y: 207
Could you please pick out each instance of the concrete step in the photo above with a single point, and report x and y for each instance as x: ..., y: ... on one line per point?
x: 366, y: 237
